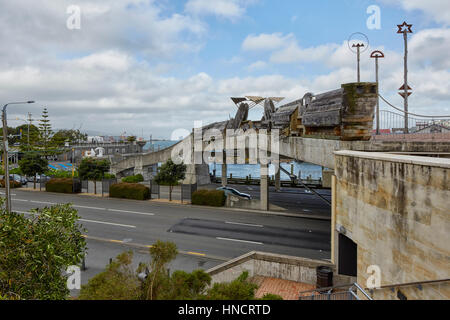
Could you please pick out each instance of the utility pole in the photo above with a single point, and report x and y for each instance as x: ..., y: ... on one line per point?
x: 405, y: 29
x: 377, y: 55
x: 358, y: 47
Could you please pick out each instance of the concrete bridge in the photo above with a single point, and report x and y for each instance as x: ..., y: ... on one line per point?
x: 311, y: 130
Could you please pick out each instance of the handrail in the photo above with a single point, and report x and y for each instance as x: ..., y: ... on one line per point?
x: 409, y: 284
x: 379, y: 288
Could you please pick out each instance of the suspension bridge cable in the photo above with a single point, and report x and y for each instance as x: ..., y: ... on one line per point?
x: 414, y: 114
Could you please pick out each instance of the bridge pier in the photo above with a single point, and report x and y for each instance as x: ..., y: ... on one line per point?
x: 277, y: 178
x: 224, y: 175
x: 264, y: 188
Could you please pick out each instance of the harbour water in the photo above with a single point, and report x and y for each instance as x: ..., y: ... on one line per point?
x: 303, y: 169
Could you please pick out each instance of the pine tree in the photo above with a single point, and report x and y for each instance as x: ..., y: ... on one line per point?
x: 45, y: 134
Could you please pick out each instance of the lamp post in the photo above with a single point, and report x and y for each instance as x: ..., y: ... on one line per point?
x: 5, y: 154
x: 405, y: 29
x: 358, y: 47
x: 377, y: 55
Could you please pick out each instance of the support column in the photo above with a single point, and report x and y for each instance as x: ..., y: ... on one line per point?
x: 277, y: 178
x: 224, y: 175
x: 264, y: 188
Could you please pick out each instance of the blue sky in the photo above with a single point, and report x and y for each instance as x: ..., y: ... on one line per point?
x: 155, y: 66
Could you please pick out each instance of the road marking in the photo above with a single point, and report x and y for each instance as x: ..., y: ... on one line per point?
x: 41, y: 202
x: 93, y: 208
x: 197, y: 254
x: 245, y: 224
x: 237, y: 240
x: 23, y: 200
x: 108, y: 223
x: 125, y: 211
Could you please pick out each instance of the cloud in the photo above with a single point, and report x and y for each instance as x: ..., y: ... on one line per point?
x: 266, y: 42
x: 229, y: 9
x: 437, y: 10
x: 258, y: 65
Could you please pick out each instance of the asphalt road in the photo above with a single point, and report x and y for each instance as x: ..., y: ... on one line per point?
x: 293, y: 200
x: 205, y: 236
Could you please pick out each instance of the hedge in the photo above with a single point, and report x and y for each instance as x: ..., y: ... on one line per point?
x: 12, y: 184
x: 133, y: 179
x: 133, y: 191
x: 63, y: 185
x: 213, y: 198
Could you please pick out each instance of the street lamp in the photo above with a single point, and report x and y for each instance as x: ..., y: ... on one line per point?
x: 377, y: 54
x: 5, y: 154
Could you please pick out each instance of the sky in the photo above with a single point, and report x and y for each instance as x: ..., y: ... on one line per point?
x: 147, y: 67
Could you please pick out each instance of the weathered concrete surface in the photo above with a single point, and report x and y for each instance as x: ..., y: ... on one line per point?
x: 396, y: 209
x: 269, y: 265
x: 316, y: 151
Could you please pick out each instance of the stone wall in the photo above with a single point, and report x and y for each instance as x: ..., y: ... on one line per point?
x: 274, y: 266
x: 397, y: 210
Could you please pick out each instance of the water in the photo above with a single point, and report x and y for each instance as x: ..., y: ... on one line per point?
x: 243, y: 170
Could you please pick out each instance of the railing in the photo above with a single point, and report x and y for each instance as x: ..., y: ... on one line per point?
x: 344, y: 292
x: 350, y: 292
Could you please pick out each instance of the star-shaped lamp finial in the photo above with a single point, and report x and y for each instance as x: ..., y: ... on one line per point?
x: 404, y: 28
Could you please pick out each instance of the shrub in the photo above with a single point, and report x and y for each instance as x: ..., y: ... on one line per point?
x: 213, y: 198
x: 134, y: 191
x: 133, y: 179
x: 12, y: 184
x: 63, y: 185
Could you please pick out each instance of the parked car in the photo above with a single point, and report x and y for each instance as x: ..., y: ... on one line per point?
x: 18, y: 178
x: 231, y: 191
x: 38, y: 178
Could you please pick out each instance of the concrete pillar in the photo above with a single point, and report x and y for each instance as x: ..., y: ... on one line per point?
x: 277, y: 180
x: 264, y: 188
x: 224, y: 175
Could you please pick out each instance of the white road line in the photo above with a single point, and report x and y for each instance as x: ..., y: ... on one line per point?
x: 23, y: 200
x: 85, y: 220
x: 108, y: 223
x: 236, y: 240
x: 42, y: 202
x: 142, y: 213
x: 245, y: 224
x: 93, y: 208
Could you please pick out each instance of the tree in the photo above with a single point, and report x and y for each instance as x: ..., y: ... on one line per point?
x: 117, y: 282
x: 71, y: 136
x: 33, y: 164
x: 162, y: 253
x: 45, y: 133
x: 34, y: 252
x: 170, y: 174
x: 93, y: 169
x: 131, y: 138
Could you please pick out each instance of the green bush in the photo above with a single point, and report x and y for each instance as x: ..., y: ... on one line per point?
x: 133, y: 179
x: 16, y: 171
x: 213, y: 198
x: 63, y: 185
x: 12, y: 184
x: 134, y: 191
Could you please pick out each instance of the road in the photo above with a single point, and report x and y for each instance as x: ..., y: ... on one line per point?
x: 205, y: 236
x: 293, y: 200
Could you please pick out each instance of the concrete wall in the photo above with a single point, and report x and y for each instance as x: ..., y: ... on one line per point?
x: 396, y: 209
x: 271, y: 265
